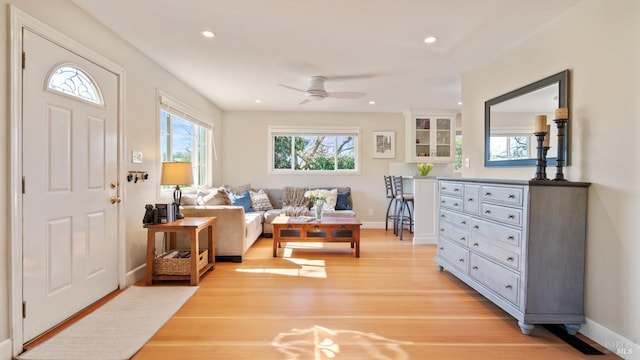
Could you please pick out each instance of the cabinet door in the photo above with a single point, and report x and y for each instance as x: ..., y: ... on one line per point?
x: 430, y: 138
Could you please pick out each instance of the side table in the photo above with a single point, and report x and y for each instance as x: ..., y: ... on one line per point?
x: 192, y: 227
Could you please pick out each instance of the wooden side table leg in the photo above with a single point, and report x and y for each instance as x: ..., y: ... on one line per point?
x: 275, y: 242
x: 151, y: 247
x: 195, y: 254
x: 356, y: 233
x: 211, y: 241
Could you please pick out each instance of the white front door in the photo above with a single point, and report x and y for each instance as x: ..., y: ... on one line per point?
x: 70, y: 157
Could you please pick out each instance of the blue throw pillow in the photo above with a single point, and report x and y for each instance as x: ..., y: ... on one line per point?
x: 244, y: 200
x: 343, y: 201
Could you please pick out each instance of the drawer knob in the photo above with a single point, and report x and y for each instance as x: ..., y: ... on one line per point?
x: 470, y: 199
x: 442, y: 216
x: 456, y: 189
x: 441, y: 248
x: 487, y: 194
x: 511, y: 196
x: 476, y: 244
x: 476, y: 227
x: 455, y: 204
x: 511, y: 216
x: 463, y: 222
x: 443, y: 202
x: 508, y: 286
x: 510, y: 258
x: 289, y: 227
x: 441, y: 230
x: 463, y: 239
x: 444, y: 188
x: 461, y: 260
x: 487, y: 211
x: 475, y: 268
x: 510, y: 237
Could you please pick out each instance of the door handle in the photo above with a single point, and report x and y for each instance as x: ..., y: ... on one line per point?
x: 116, y: 200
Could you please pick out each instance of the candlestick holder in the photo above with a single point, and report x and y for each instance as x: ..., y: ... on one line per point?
x: 561, y: 124
x: 541, y: 162
x: 545, y: 150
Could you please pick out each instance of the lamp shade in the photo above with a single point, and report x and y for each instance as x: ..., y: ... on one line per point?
x: 176, y: 173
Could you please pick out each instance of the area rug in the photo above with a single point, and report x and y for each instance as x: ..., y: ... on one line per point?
x: 118, y: 329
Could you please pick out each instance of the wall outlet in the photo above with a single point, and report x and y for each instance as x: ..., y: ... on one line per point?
x: 136, y: 157
x: 466, y: 162
x: 370, y: 211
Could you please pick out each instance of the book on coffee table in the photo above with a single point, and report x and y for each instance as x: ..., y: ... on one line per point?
x: 301, y: 219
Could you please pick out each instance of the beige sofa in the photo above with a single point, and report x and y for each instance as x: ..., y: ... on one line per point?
x: 237, y: 229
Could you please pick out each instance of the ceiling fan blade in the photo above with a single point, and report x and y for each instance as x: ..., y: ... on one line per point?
x: 291, y: 88
x: 304, y: 102
x: 350, y: 77
x: 346, y: 94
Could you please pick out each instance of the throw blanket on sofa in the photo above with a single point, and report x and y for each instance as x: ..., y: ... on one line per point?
x: 294, y: 203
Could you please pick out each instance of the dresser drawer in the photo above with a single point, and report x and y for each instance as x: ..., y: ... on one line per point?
x: 457, y: 219
x: 451, y: 203
x: 502, y: 194
x: 471, y: 203
x: 490, y: 248
x: 496, y: 232
x: 502, y: 213
x: 497, y: 278
x: 451, y: 188
x: 452, y: 232
x: 454, y: 254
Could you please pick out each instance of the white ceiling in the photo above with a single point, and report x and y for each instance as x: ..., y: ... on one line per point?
x: 262, y: 43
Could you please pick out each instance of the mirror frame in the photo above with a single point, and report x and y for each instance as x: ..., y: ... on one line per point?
x: 562, y: 79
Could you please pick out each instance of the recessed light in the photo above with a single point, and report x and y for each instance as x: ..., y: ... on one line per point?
x: 208, y: 33
x: 459, y: 102
x: 372, y: 102
x: 430, y: 39
x: 258, y: 101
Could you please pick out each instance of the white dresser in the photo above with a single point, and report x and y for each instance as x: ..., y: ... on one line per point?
x: 521, y: 244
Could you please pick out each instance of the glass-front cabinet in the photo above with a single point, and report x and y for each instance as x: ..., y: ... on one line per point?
x: 430, y: 137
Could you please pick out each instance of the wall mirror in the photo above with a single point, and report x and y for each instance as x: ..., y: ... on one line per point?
x: 509, y: 122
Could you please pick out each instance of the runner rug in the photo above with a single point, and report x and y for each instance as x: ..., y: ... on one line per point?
x: 118, y: 329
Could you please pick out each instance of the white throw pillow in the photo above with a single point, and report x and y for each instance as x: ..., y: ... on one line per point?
x: 331, y: 197
x: 260, y: 201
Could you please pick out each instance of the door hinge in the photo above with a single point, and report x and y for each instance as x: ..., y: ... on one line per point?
x: 24, y: 60
x: 24, y: 309
x: 23, y: 185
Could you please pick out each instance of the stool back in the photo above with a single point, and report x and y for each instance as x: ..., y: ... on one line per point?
x: 388, y: 185
x: 398, y: 187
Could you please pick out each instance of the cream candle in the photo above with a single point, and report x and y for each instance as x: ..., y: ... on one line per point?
x: 546, y: 137
x: 541, y: 123
x: 562, y: 113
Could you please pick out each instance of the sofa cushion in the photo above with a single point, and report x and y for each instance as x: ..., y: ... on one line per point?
x: 296, y: 211
x: 260, y: 200
x: 244, y: 200
x: 237, y: 190
x: 343, y: 201
x: 213, y: 196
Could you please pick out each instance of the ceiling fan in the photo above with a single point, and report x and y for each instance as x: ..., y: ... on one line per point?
x: 315, y: 91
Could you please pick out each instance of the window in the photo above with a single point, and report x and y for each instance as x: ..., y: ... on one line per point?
x: 71, y: 80
x: 506, y: 147
x: 314, y: 150
x: 457, y: 165
x: 183, y: 137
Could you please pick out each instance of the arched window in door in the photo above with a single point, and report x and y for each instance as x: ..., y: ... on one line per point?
x: 73, y: 81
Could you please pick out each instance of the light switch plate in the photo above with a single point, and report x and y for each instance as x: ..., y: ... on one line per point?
x: 136, y: 157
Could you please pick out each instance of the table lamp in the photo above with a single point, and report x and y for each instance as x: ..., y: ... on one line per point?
x: 177, y: 173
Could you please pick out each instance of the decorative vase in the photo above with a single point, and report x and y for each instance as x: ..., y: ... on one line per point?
x: 319, y: 204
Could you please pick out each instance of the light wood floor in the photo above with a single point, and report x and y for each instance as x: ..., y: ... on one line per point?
x: 319, y: 302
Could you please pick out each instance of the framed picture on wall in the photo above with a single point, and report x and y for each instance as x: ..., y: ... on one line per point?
x: 384, y: 144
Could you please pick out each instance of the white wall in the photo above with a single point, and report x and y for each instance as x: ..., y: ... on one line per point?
x: 143, y: 78
x: 599, y: 40
x: 245, y: 156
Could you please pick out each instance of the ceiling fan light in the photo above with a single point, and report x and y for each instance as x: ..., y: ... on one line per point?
x: 430, y: 39
x: 208, y: 33
x: 316, y: 97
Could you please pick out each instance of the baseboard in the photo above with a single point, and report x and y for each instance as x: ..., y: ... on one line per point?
x: 229, y: 258
x: 5, y: 350
x: 135, y: 275
x: 614, y: 342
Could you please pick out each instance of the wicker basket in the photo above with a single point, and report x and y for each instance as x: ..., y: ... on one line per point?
x: 180, y: 266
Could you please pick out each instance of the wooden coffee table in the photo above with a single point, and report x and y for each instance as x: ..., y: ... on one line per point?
x: 329, y: 229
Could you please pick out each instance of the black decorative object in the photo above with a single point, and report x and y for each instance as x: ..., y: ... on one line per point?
x: 561, y: 124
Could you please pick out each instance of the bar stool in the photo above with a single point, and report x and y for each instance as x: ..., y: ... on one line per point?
x: 404, y: 202
x: 388, y: 185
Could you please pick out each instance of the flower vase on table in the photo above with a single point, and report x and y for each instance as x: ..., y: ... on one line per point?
x: 319, y: 206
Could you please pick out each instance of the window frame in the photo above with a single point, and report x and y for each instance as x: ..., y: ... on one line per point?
x: 171, y: 105
x: 311, y: 131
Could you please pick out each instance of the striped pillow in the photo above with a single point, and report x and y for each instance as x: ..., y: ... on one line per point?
x: 260, y: 201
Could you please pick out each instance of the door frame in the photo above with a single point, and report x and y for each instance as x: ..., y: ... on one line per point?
x: 18, y: 21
